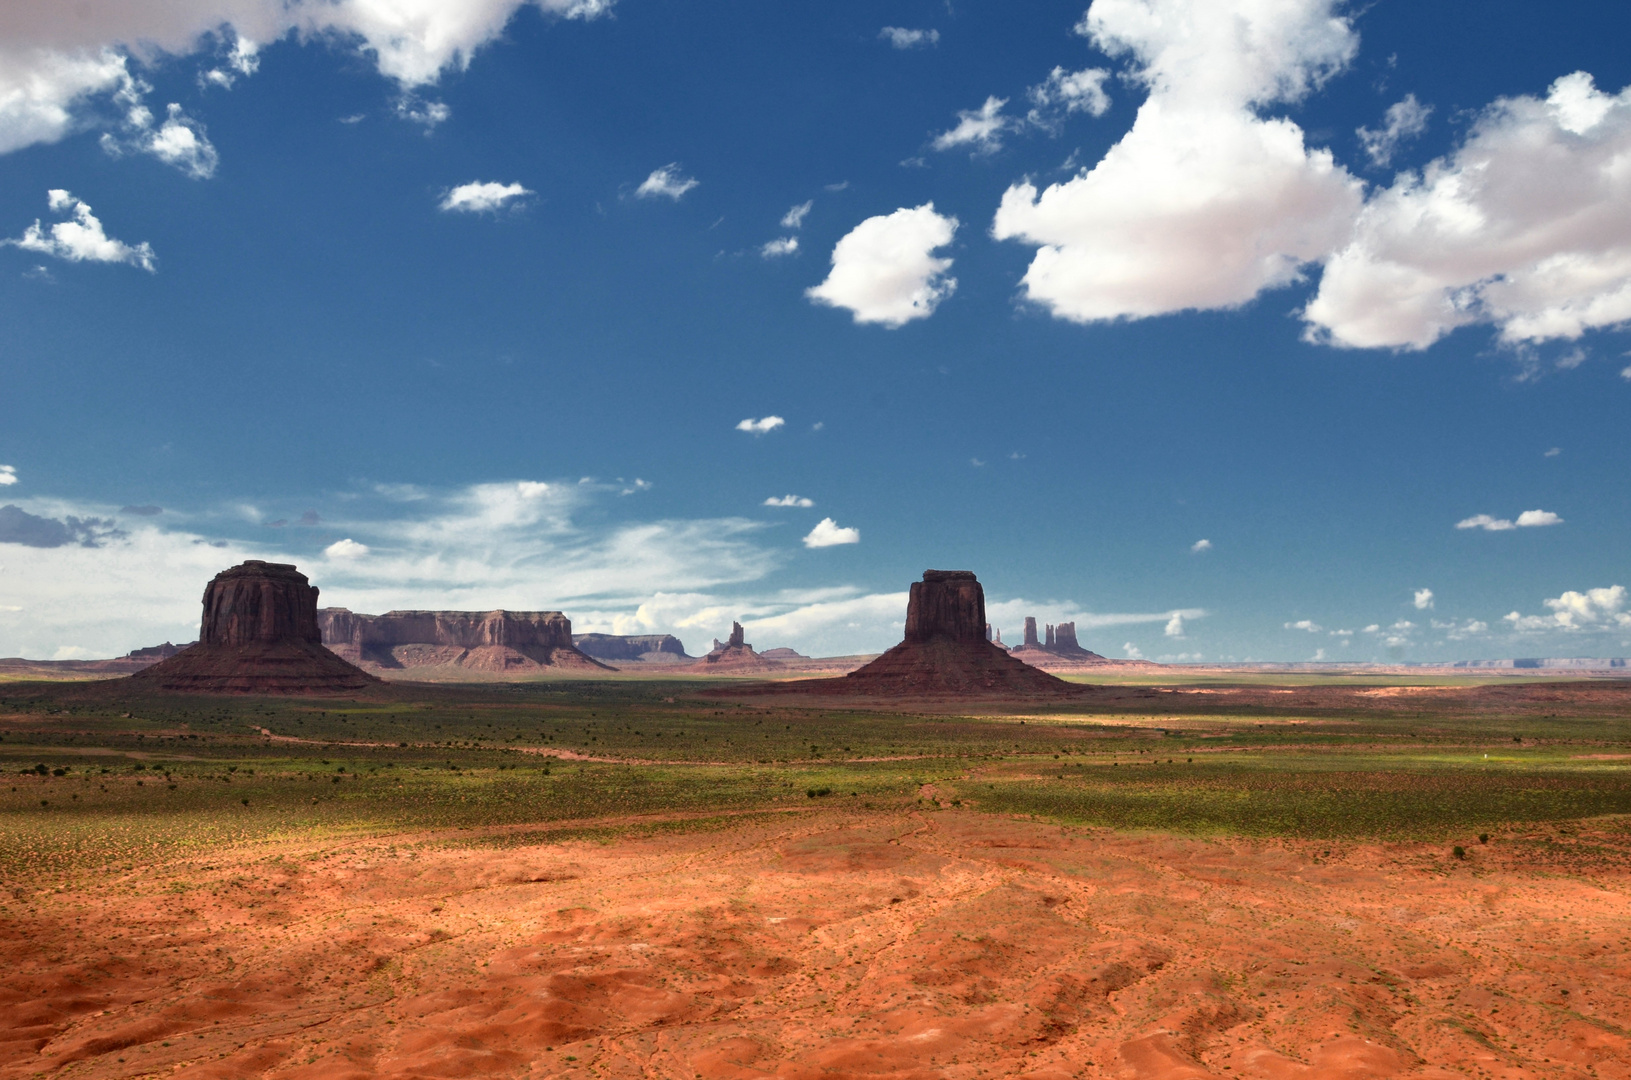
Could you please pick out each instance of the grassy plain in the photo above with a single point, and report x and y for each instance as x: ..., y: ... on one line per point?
x: 91, y: 777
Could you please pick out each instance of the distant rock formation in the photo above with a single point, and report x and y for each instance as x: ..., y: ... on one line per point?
x: 154, y: 653
x: 633, y: 648
x: 259, y: 636
x: 945, y: 653
x: 736, y: 655
x: 783, y: 654
x: 477, y: 642
x: 1059, y: 650
x: 994, y: 636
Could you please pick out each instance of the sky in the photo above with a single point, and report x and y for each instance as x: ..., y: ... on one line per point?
x: 1229, y: 329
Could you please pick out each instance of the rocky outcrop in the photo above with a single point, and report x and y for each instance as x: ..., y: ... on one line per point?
x: 945, y: 654
x: 633, y: 648
x: 736, y: 655
x: 259, y: 635
x: 475, y: 642
x: 1060, y: 651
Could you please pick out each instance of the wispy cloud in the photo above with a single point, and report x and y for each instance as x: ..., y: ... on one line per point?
x: 1529, y: 519
x: 760, y: 426
x: 667, y: 182
x: 902, y: 37
x: 784, y: 245
x: 81, y: 238
x: 790, y: 500
x: 794, y: 218
x: 980, y: 128
x: 1405, y: 120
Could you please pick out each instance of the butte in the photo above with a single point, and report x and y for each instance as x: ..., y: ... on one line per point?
x: 945, y: 655
x: 259, y: 636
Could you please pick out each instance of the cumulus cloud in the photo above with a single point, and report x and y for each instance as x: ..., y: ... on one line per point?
x: 1132, y: 651
x: 1065, y: 92
x: 8, y: 475
x: 56, y: 58
x: 81, y: 238
x: 828, y: 533
x: 761, y: 425
x: 903, y: 38
x: 1307, y: 625
x: 790, y: 500
x: 666, y: 182
x: 479, y: 197
x: 1405, y: 120
x: 885, y: 270
x: 1594, y: 609
x: 1200, y: 545
x: 346, y: 549
x: 1175, y: 626
x: 980, y: 128
x: 178, y: 140
x: 1526, y: 226
x: 785, y: 245
x: 1204, y: 203
x: 1625, y: 373
x: 241, y: 60
x: 794, y: 218
x: 1423, y: 599
x: 1529, y: 519
x: 1461, y: 631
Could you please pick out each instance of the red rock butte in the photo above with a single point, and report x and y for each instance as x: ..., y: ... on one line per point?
x: 259, y: 636
x: 945, y: 654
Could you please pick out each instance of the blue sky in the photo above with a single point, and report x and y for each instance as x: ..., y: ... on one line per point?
x: 477, y: 303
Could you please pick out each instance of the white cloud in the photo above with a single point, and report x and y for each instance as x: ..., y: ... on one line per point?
x: 1553, y: 452
x: 980, y: 128
x: 1175, y: 626
x: 794, y: 218
x: 885, y: 271
x: 1200, y: 546
x: 56, y: 57
x: 1342, y: 634
x: 1485, y: 522
x: 8, y: 475
x: 1203, y: 203
x: 828, y: 533
x: 667, y: 182
x: 760, y: 426
x: 785, y: 245
x: 1065, y: 92
x: 1373, y: 628
x: 1529, y: 519
x: 1307, y: 625
x: 242, y: 60
x: 1132, y: 651
x: 1423, y: 599
x: 1405, y: 120
x: 346, y: 549
x: 1461, y: 631
x: 790, y: 500
x: 902, y: 38
x: 428, y: 113
x: 1625, y: 373
x: 1594, y: 609
x: 1526, y: 226
x: 180, y: 141
x: 81, y: 238
x: 479, y: 197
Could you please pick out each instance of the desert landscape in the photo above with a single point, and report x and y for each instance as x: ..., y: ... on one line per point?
x: 946, y: 864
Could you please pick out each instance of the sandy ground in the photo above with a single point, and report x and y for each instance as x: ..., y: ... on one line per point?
x: 827, y: 944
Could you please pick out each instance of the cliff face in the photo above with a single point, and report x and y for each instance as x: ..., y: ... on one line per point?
x: 492, y: 642
x: 259, y: 634
x: 633, y: 648
x: 737, y: 655
x: 946, y: 604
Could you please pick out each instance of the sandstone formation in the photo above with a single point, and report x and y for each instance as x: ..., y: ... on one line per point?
x: 945, y: 653
x: 736, y: 655
x: 469, y: 642
x: 259, y: 635
x: 633, y: 648
x: 1059, y: 650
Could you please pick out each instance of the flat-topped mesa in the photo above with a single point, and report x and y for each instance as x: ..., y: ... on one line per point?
x: 259, y: 601
x: 1059, y: 649
x: 476, y: 641
x: 946, y: 604
x: 258, y: 635
x: 946, y: 654
x: 633, y: 648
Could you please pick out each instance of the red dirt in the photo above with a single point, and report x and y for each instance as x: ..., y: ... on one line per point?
x: 826, y: 944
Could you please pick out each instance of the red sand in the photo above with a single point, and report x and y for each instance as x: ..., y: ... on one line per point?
x: 824, y: 944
